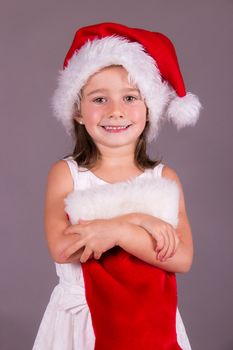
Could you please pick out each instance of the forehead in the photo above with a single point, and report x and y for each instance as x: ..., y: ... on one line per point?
x: 106, y: 74
x: 110, y: 70
x: 112, y: 67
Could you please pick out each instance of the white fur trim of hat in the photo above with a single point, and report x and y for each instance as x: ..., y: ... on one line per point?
x: 160, y: 98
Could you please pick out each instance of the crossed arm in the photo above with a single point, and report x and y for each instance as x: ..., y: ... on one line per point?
x: 132, y: 233
x: 136, y: 240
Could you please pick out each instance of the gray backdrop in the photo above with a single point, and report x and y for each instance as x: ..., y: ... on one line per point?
x: 35, y: 36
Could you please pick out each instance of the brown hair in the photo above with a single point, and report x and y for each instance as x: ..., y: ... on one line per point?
x: 86, y: 153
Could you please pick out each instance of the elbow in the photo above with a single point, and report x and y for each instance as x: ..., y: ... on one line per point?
x: 60, y: 259
x: 185, y: 259
x: 56, y: 255
x: 186, y: 265
x: 57, y: 259
x: 184, y: 269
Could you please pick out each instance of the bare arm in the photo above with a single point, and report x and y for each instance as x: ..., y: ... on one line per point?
x: 132, y: 235
x: 59, y: 184
x: 137, y: 241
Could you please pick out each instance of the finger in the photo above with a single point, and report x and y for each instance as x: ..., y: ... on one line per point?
x: 82, y: 221
x: 97, y: 255
x: 86, y: 254
x: 165, y: 247
x: 173, y: 238
x: 72, y: 229
x: 67, y: 229
x: 73, y: 248
x: 176, y: 241
x: 171, y: 249
x: 160, y: 242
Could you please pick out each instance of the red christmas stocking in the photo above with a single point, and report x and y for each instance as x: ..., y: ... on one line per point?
x: 132, y: 303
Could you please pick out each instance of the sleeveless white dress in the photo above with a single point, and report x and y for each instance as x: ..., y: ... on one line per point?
x: 67, y: 324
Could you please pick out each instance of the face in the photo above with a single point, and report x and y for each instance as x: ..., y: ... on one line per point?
x: 112, y: 110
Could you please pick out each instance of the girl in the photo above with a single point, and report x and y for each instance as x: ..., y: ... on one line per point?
x: 115, y: 220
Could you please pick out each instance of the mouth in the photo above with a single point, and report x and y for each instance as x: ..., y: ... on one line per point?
x: 115, y: 128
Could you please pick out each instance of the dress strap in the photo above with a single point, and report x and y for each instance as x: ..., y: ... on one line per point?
x: 73, y: 169
x: 158, y: 169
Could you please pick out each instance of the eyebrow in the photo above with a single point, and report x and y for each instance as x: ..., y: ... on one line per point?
x: 104, y: 90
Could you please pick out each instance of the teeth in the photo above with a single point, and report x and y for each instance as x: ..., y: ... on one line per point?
x: 115, y: 127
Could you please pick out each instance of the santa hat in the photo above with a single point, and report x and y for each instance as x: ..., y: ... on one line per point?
x: 151, y: 61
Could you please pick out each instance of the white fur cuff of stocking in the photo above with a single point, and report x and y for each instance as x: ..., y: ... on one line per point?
x: 158, y: 197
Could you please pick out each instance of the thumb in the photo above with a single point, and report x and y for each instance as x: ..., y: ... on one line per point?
x: 82, y: 221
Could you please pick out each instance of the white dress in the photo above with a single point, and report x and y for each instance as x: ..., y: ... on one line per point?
x: 67, y: 324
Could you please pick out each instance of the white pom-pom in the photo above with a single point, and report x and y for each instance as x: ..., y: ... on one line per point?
x: 184, y: 111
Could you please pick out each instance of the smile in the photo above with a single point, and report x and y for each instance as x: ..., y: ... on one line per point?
x: 115, y: 129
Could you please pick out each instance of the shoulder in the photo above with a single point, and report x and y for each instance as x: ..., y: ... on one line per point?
x: 59, y: 177
x: 171, y: 174
x: 59, y: 168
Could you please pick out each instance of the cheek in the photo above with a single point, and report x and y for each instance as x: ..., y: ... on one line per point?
x: 139, y: 112
x: 90, y: 113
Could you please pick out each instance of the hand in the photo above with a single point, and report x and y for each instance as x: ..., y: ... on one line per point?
x: 97, y: 236
x: 166, y: 237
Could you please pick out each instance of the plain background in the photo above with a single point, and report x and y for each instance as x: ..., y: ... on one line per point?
x: 35, y: 36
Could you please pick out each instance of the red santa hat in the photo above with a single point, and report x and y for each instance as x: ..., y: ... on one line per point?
x: 151, y: 61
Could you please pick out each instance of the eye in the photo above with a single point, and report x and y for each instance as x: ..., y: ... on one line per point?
x: 99, y: 99
x: 130, y: 98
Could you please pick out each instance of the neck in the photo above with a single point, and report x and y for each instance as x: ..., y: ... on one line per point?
x: 117, y: 157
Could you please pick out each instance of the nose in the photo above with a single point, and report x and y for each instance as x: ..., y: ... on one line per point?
x: 116, y: 111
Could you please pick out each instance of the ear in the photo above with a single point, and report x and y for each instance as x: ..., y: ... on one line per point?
x: 76, y: 112
x: 78, y: 117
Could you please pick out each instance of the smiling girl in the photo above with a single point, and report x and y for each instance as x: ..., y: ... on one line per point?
x: 115, y: 220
